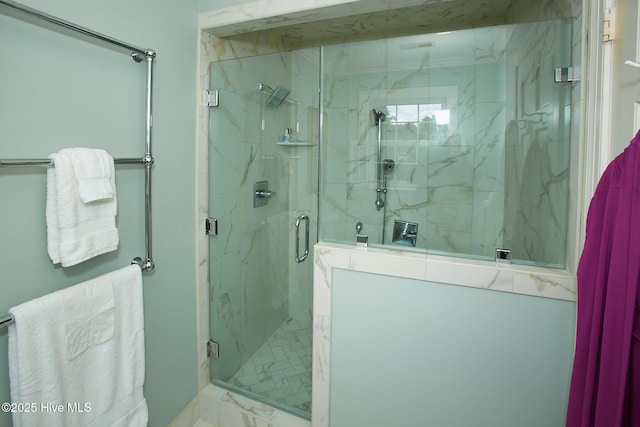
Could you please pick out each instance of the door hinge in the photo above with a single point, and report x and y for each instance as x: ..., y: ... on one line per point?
x: 609, y: 31
x: 211, y: 226
x: 211, y: 98
x: 213, y: 350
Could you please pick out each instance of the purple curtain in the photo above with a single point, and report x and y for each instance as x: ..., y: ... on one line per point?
x: 605, y: 384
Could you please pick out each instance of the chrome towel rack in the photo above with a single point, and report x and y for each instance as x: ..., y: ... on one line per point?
x: 138, y: 55
x: 6, y: 321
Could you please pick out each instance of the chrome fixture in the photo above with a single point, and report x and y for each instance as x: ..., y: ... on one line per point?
x: 261, y: 193
x: 361, y: 239
x: 303, y: 217
x: 405, y: 233
x: 379, y: 202
x: 138, y: 55
x: 276, y: 96
x: 211, y: 98
x: 265, y: 194
x: 385, y: 167
x: 7, y: 320
x: 213, y: 350
x: 377, y: 117
x: 503, y: 255
x: 565, y: 75
x: 211, y: 226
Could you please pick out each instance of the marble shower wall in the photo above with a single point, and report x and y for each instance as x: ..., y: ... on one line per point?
x: 449, y: 176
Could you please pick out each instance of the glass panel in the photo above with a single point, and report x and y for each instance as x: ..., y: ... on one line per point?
x: 260, y: 297
x: 478, y: 136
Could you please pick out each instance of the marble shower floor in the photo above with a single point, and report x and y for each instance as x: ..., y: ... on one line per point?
x: 281, y: 369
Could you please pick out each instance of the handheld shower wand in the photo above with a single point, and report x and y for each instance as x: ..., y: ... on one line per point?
x: 377, y: 117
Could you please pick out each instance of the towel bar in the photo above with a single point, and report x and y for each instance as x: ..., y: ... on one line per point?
x: 49, y: 162
x: 6, y: 321
x: 138, y: 55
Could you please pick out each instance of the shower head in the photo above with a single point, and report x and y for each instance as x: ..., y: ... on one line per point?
x: 377, y: 117
x: 277, y: 96
x: 379, y: 203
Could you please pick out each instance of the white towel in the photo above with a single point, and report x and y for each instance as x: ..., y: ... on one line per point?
x: 77, y: 230
x: 94, y: 171
x: 81, y: 348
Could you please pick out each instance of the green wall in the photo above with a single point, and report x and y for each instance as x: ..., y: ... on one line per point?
x: 207, y: 5
x: 413, y: 353
x: 57, y: 91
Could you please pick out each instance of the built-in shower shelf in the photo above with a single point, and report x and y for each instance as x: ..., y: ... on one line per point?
x: 296, y: 144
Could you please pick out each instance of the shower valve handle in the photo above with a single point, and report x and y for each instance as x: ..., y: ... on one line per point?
x: 265, y: 194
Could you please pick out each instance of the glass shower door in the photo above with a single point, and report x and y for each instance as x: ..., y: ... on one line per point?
x: 260, y: 185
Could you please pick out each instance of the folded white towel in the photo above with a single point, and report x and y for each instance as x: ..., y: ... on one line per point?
x: 82, y: 348
x: 77, y: 231
x: 94, y: 171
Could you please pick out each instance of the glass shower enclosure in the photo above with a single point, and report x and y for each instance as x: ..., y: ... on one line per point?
x: 456, y: 144
x: 475, y: 142
x: 263, y: 149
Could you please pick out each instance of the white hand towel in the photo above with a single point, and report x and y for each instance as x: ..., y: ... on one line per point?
x: 94, y: 171
x: 82, y: 348
x: 77, y: 231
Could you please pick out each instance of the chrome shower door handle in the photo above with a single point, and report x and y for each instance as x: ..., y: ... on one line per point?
x: 303, y: 217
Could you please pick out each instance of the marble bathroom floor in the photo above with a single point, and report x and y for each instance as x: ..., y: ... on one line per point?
x: 280, y: 370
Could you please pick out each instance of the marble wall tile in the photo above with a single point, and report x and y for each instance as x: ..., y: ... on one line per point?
x: 488, y: 223
x: 488, y: 158
x: 524, y: 10
x: 219, y: 407
x: 334, y: 216
x: 336, y: 147
x: 558, y: 287
x: 450, y: 165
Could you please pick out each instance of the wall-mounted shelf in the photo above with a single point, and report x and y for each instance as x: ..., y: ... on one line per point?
x: 296, y: 144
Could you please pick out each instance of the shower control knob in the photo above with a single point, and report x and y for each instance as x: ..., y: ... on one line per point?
x: 265, y: 194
